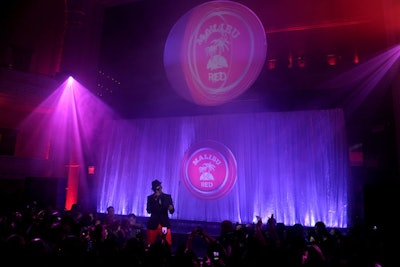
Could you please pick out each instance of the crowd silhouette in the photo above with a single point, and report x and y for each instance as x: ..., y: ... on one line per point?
x: 48, y: 237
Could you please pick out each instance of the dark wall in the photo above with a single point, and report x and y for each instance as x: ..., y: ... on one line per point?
x: 380, y: 204
x: 11, y: 195
x: 47, y: 192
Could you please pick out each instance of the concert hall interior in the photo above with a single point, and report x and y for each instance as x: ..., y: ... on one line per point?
x: 99, y: 98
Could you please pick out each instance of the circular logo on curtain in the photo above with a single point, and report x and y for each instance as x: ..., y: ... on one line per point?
x: 215, y: 52
x: 209, y: 170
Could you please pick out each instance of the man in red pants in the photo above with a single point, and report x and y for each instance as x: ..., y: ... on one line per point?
x: 159, y: 204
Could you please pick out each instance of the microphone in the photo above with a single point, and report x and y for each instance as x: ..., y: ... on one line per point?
x: 158, y: 199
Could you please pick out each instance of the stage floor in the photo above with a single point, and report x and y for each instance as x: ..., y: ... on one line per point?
x: 186, y: 226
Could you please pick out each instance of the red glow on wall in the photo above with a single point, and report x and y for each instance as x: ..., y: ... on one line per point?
x: 356, y: 158
x: 72, y: 186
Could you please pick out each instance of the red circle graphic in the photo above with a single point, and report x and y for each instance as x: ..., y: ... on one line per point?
x: 209, y: 170
x: 215, y: 52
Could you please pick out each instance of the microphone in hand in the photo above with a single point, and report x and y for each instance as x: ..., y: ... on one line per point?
x: 157, y: 198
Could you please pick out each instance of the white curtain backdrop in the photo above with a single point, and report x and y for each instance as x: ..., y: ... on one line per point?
x: 291, y: 164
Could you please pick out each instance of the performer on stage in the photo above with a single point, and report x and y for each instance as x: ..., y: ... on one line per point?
x: 159, y: 204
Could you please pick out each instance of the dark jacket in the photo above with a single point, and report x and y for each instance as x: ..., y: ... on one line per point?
x: 158, y: 209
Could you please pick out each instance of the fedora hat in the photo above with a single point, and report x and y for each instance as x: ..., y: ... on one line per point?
x: 156, y: 183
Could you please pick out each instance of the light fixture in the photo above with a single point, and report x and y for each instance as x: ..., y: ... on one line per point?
x: 290, y: 59
x: 271, y: 64
x: 301, y: 62
x: 356, y: 59
x: 331, y: 59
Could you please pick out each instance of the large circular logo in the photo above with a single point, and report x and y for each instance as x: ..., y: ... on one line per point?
x: 215, y: 52
x: 209, y: 170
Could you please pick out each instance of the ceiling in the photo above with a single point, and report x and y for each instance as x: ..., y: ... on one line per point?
x: 134, y: 34
x: 131, y: 78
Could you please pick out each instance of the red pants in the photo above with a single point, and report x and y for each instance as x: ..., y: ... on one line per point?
x: 154, y: 235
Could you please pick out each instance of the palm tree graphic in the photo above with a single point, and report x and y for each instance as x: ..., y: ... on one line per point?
x: 205, y: 169
x: 215, y: 51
